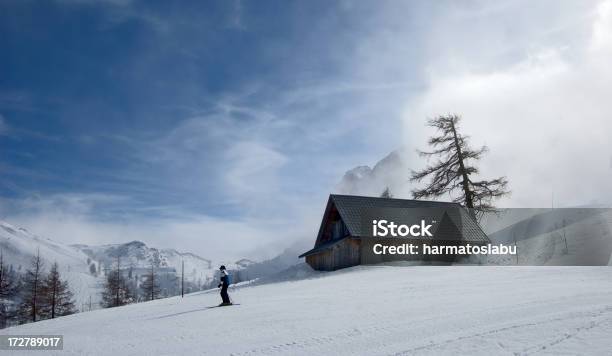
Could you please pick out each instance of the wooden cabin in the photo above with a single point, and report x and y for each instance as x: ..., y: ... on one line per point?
x: 340, y: 239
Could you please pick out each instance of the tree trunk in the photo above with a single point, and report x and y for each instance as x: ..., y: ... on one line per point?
x: 35, y: 295
x: 469, y: 203
x: 53, y: 300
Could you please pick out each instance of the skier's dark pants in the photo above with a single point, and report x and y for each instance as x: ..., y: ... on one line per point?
x: 224, y: 295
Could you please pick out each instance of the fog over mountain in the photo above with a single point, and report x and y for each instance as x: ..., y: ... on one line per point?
x: 136, y: 254
x: 390, y: 172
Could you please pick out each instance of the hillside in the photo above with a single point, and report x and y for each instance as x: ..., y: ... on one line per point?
x: 377, y: 310
x: 562, y: 237
x: 84, y: 266
x: 19, y: 246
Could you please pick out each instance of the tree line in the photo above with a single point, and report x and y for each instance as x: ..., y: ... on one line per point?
x: 122, y: 286
x: 120, y: 289
x: 33, y: 296
x: 38, y: 294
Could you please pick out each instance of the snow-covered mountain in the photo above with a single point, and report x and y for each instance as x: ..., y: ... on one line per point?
x: 390, y: 172
x: 137, y: 254
x: 84, y: 266
x: 19, y: 246
x: 373, y: 310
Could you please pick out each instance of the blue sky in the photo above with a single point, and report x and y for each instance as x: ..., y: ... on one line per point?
x: 92, y: 89
x: 163, y: 110
x: 174, y: 122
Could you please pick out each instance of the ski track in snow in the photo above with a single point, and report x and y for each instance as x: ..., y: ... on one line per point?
x: 377, y: 310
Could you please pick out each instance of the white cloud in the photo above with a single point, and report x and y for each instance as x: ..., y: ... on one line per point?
x: 252, y: 170
x: 602, y: 28
x: 545, y: 118
x: 72, y: 218
x: 531, y: 81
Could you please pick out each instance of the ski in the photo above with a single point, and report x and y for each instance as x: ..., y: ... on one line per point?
x: 221, y: 306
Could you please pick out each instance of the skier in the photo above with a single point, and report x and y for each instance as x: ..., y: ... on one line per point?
x: 225, y: 281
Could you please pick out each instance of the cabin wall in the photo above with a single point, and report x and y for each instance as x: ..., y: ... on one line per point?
x: 320, y: 261
x: 347, y: 253
x: 369, y: 258
x: 344, y: 254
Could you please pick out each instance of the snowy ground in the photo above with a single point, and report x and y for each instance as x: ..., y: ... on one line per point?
x: 378, y: 310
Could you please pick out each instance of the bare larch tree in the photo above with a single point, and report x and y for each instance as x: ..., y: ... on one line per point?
x: 7, y: 282
x: 117, y: 290
x: 455, y: 170
x: 56, y: 295
x: 8, y: 290
x: 150, y: 285
x: 32, y: 284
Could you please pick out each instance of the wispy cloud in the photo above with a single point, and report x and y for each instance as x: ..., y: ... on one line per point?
x: 544, y: 116
x: 72, y: 218
x: 249, y: 164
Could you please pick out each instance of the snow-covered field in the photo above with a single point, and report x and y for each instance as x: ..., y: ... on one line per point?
x: 376, y: 310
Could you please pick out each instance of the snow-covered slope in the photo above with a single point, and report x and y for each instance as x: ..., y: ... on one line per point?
x: 377, y: 310
x: 573, y: 236
x: 19, y: 246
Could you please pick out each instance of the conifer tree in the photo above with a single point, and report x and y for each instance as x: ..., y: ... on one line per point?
x: 8, y: 290
x: 116, y: 291
x: 29, y: 309
x: 7, y: 280
x: 386, y: 193
x: 454, y: 171
x: 150, y: 285
x: 57, y: 299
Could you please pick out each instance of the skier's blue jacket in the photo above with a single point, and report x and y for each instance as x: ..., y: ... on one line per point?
x: 226, y: 278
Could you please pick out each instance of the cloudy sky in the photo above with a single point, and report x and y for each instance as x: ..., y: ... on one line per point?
x: 220, y: 127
